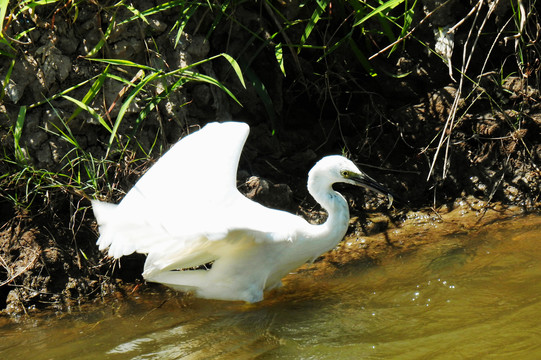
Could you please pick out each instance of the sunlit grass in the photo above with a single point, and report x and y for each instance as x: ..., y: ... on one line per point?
x: 79, y: 171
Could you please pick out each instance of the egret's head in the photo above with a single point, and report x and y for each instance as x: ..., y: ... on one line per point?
x: 335, y: 168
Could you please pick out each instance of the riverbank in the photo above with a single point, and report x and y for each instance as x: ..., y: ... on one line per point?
x: 61, y: 276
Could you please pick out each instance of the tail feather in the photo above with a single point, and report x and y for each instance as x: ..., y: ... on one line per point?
x: 104, y: 213
x: 117, y: 232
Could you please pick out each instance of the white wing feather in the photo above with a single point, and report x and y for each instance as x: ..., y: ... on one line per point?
x: 187, y: 203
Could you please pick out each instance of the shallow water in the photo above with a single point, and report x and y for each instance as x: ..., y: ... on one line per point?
x: 471, y: 295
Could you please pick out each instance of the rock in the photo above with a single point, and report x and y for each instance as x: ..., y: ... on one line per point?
x: 277, y: 196
x: 43, y: 155
x: 22, y: 74
x: 66, y: 42
x: 13, y: 303
x: 35, y: 139
x: 91, y: 36
x: 199, y: 47
x: 129, y: 49
x: 56, y: 67
x: 14, y: 90
x: 33, y: 135
x: 157, y: 25
x: 511, y: 193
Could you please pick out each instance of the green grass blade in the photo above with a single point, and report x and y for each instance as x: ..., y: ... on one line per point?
x: 278, y: 52
x: 316, y: 16
x: 32, y: 4
x: 388, y: 5
x: 60, y: 94
x: 235, y: 65
x: 7, y: 78
x: 103, y: 39
x: 385, y: 27
x: 23, y: 33
x: 90, y: 95
x: 186, y: 14
x: 3, y: 8
x: 7, y: 54
x: 120, y: 62
x: 210, y: 80
x: 126, y: 104
x: 231, y: 61
x: 136, y: 13
x: 336, y: 45
x: 218, y: 18
x: 94, y: 113
x: 66, y: 135
x: 408, y: 20
x: 156, y: 9
x: 17, y: 133
x: 263, y: 94
x: 154, y: 102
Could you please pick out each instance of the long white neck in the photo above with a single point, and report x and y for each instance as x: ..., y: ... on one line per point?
x: 328, y: 234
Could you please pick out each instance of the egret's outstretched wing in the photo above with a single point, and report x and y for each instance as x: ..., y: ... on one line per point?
x: 207, y: 159
x: 179, y: 194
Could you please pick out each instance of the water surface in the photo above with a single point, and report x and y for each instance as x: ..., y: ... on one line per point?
x: 473, y: 295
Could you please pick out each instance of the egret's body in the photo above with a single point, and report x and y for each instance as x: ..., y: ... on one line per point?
x: 186, y: 212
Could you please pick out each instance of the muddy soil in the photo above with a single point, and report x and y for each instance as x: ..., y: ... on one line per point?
x: 390, y: 125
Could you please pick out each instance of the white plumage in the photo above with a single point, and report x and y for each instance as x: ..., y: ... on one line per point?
x: 186, y: 211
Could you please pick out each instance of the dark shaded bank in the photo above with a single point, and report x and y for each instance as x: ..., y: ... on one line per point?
x: 400, y: 115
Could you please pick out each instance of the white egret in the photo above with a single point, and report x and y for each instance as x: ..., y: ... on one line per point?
x: 186, y: 212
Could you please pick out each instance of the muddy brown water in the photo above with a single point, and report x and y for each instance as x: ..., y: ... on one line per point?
x: 472, y: 294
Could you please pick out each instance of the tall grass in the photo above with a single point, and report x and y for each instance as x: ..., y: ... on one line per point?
x: 79, y: 171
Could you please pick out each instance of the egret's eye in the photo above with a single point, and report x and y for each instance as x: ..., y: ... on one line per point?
x: 345, y: 173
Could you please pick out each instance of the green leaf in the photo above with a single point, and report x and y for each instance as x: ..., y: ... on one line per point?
x: 218, y: 16
x: 103, y: 39
x: 346, y: 37
x: 120, y: 62
x: 278, y: 52
x: 7, y: 78
x: 408, y: 19
x: 389, y: 4
x: 235, y: 66
x: 90, y: 95
x: 316, y: 15
x: 210, y: 80
x: 136, y: 13
x: 154, y: 10
x: 261, y: 91
x: 231, y: 61
x: 187, y: 13
x: 126, y: 104
x: 155, y: 101
x: 17, y: 133
x: 57, y: 95
x: 3, y: 8
x: 94, y: 113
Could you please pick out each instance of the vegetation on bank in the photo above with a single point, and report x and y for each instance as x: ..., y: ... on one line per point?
x: 93, y: 92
